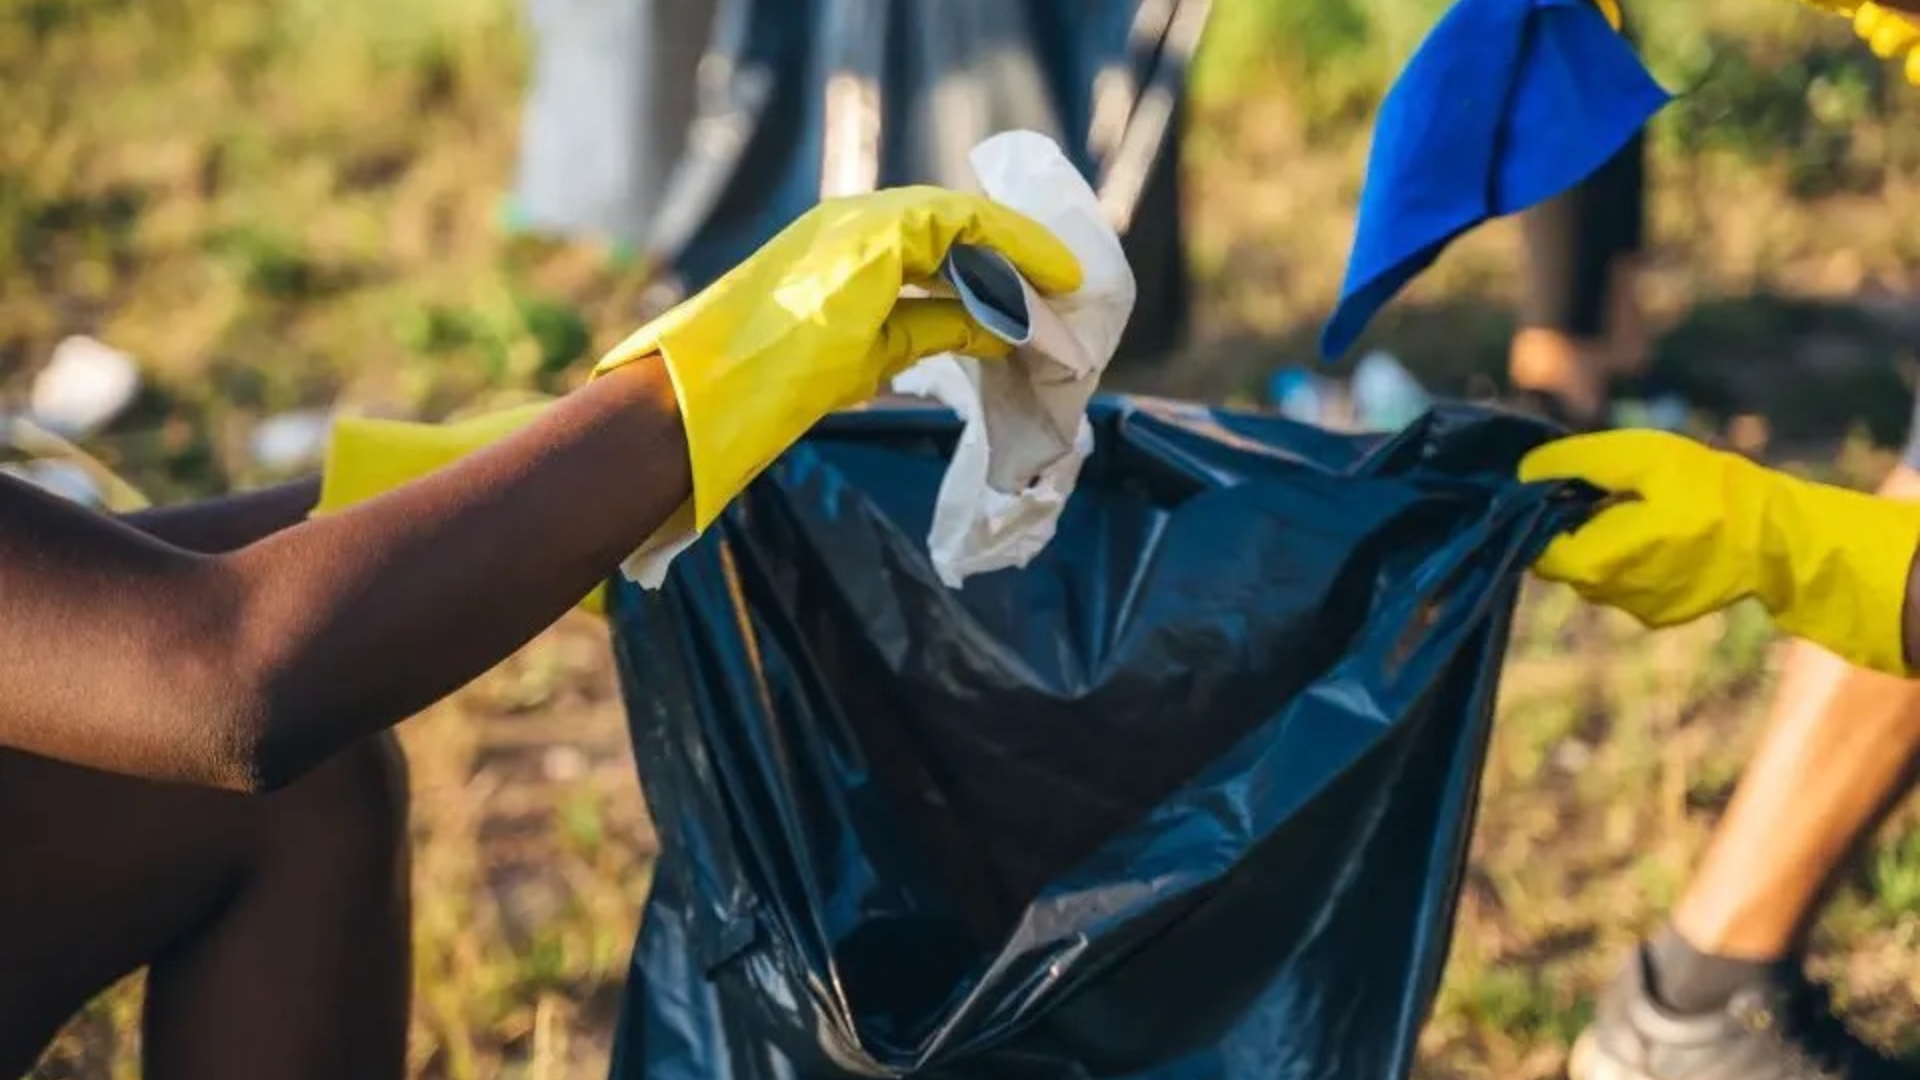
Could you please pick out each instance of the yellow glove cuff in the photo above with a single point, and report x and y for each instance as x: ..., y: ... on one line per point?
x: 367, y: 458
x: 720, y: 464
x: 1836, y: 564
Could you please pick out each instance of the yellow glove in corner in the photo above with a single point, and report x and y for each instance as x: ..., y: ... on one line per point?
x: 1892, y: 35
x: 366, y: 458
x: 1700, y: 529
x: 814, y: 322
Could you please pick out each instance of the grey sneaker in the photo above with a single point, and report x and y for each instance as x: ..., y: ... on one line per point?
x: 1782, y: 1029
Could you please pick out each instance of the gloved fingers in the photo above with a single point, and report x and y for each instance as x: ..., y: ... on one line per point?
x: 953, y: 217
x: 919, y: 328
x: 1888, y: 33
x: 1617, y: 541
x: 1616, y: 461
x: 1655, y: 612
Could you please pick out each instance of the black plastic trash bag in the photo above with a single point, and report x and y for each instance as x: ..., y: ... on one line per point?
x: 1188, y: 798
x: 728, y: 119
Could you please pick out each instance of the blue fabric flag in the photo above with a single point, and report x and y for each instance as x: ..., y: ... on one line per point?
x: 1506, y: 104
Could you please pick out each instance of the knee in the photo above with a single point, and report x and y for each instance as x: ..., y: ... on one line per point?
x: 352, y: 807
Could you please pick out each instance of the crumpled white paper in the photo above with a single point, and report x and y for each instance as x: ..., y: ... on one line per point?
x: 647, y: 567
x: 1026, y: 433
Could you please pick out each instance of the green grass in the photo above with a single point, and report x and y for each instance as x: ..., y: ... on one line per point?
x: 278, y: 205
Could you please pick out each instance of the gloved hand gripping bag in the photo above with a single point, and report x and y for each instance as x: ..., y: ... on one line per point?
x: 1186, y: 799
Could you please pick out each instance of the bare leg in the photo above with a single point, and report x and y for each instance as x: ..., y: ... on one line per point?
x: 1580, y: 317
x: 275, y: 929
x: 1836, y: 757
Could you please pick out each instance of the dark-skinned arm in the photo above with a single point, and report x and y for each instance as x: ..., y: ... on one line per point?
x: 1910, y: 616
x: 231, y: 522
x: 243, y: 669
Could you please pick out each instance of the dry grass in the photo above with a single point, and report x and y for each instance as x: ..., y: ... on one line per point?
x: 278, y: 205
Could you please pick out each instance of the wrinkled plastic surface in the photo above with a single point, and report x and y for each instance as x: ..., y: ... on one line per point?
x: 1186, y: 799
x: 694, y: 130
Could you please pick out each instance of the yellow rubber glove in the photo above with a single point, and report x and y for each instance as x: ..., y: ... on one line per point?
x: 1698, y: 529
x: 810, y: 323
x: 814, y: 322
x: 366, y: 458
x: 1892, y: 35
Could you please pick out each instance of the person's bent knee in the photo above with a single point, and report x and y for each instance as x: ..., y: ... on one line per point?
x: 354, y: 803
x: 369, y: 781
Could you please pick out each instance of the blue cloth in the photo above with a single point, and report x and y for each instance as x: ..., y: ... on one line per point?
x: 1506, y: 104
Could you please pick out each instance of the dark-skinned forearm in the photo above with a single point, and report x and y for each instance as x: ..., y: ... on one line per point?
x: 231, y: 522
x: 1910, y: 616
x: 243, y: 670
x: 494, y: 549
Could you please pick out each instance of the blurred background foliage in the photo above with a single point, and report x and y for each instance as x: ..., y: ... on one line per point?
x: 283, y: 204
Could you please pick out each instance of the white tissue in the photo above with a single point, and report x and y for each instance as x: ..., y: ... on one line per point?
x: 647, y: 567
x: 1026, y: 432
